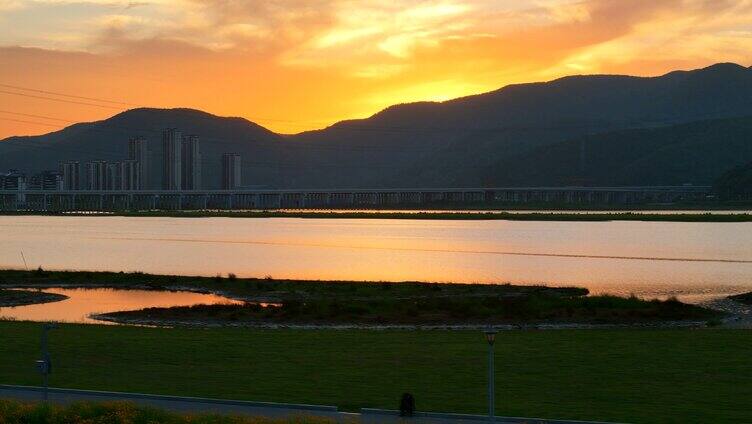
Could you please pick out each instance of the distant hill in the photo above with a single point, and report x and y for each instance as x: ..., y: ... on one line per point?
x: 695, y: 153
x: 496, y: 138
x: 108, y: 140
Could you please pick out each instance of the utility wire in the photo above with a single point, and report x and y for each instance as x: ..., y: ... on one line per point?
x: 27, y: 122
x: 59, y: 100
x: 54, y: 93
x: 38, y: 116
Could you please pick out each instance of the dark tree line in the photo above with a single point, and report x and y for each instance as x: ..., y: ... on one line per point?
x: 735, y: 184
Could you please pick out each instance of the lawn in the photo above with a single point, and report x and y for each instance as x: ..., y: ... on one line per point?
x: 616, y: 375
x: 124, y: 413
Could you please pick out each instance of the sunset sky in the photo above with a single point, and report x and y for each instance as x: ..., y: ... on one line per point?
x: 293, y: 65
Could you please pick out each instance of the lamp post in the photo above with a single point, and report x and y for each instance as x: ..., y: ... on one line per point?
x: 490, y: 338
x: 44, y: 365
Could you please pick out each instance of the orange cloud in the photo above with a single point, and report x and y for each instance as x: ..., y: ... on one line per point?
x: 293, y: 65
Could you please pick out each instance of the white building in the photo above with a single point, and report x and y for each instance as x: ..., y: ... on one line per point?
x: 71, y: 175
x: 231, y: 176
x: 138, y: 150
x: 130, y: 175
x: 191, y: 163
x: 172, y: 141
x: 96, y: 175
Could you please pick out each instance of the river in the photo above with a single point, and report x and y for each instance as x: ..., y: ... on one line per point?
x: 694, y: 261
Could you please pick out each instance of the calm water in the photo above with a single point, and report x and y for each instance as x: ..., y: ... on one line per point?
x: 82, y: 303
x: 693, y: 260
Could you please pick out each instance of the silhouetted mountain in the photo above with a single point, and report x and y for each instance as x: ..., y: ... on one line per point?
x: 108, y: 140
x: 469, y: 141
x: 695, y: 153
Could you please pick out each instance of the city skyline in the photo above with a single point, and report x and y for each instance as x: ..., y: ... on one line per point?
x: 181, y: 169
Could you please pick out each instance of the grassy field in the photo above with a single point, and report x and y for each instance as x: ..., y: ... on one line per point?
x: 617, y: 375
x: 123, y: 413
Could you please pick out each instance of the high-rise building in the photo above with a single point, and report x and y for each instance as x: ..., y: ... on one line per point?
x: 46, y: 180
x: 13, y: 180
x: 71, y: 175
x: 191, y: 163
x: 96, y: 175
x: 138, y: 150
x: 130, y: 174
x: 230, y: 171
x: 114, y: 176
x: 172, y: 141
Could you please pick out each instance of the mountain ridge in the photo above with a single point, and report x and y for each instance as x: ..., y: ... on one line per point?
x: 452, y: 143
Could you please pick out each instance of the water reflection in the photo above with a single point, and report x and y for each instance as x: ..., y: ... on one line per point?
x: 82, y: 303
x: 691, y: 260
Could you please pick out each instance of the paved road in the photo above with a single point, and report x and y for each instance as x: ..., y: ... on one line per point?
x: 264, y: 409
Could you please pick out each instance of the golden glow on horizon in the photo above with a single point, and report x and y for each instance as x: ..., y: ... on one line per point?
x: 294, y: 65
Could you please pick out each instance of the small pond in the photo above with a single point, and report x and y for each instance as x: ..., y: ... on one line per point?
x: 82, y: 303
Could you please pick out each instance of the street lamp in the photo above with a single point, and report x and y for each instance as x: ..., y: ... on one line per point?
x: 44, y: 365
x: 490, y: 334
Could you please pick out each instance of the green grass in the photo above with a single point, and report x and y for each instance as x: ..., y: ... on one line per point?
x: 616, y: 375
x: 123, y: 413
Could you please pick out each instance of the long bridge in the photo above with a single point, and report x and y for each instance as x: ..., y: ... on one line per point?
x: 104, y: 201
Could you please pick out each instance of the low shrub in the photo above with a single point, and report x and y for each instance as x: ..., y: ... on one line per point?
x: 12, y: 412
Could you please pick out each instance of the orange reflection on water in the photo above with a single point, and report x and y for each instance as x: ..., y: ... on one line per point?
x: 82, y: 303
x: 646, y: 258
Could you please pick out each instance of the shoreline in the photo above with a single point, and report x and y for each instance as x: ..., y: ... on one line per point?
x: 580, y: 215
x: 19, y: 296
x: 271, y: 304
x: 167, y: 323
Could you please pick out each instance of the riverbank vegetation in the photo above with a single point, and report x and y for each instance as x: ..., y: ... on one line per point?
x: 267, y: 288
x: 12, y: 412
x: 523, y: 309
x: 640, y: 376
x: 462, y: 215
x: 321, y: 303
x: 27, y: 297
x: 745, y: 298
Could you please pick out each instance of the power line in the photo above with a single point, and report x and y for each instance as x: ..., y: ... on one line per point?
x: 347, y: 125
x: 59, y: 100
x: 38, y: 116
x: 26, y: 122
x: 67, y: 95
